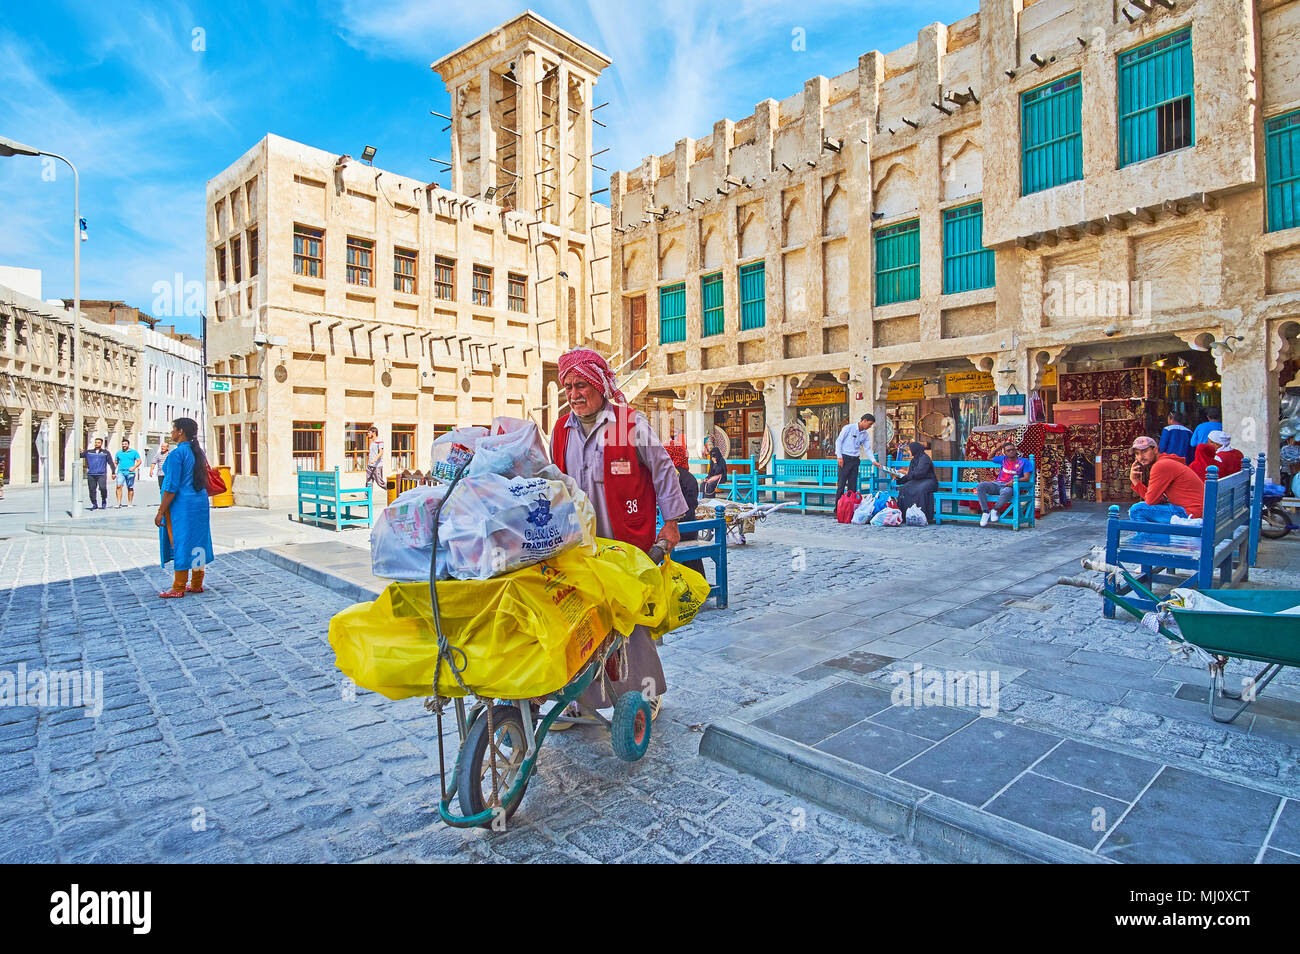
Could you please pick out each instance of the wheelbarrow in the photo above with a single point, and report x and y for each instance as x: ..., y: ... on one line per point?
x: 1251, y: 626
x: 500, y: 739
x: 741, y: 518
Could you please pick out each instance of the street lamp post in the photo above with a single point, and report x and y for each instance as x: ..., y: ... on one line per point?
x: 9, y: 147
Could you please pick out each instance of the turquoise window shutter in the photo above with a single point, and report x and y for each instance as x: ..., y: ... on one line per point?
x: 967, y: 264
x: 1282, y: 146
x: 898, y: 262
x: 672, y: 313
x: 1051, y: 135
x: 1156, y: 86
x: 753, y: 294
x: 711, y: 293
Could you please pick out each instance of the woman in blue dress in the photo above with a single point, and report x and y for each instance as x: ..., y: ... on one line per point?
x: 184, y: 532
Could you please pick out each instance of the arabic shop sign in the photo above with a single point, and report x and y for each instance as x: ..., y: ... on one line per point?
x: 737, y: 398
x: 967, y: 382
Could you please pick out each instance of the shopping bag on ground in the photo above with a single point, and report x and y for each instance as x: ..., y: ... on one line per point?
x: 862, y: 513
x: 888, y: 517
x: 845, y: 506
x: 915, y: 517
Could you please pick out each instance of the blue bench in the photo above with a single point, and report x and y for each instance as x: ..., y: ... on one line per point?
x: 957, y: 493
x: 716, y: 550
x: 791, y: 477
x: 741, y: 480
x: 1226, y: 541
x: 319, y: 491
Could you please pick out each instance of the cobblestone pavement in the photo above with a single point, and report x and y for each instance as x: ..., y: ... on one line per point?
x: 225, y: 736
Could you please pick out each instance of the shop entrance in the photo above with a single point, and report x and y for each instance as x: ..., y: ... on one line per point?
x: 822, y: 410
x: 739, y: 413
x: 1108, y: 395
x: 940, y: 408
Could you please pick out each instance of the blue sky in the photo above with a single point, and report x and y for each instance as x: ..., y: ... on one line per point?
x: 149, y: 109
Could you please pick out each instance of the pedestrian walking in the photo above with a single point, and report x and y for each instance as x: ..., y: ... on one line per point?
x: 375, y: 463
x: 98, y: 461
x: 128, y: 463
x: 184, y: 527
x: 853, y: 444
x: 156, y: 468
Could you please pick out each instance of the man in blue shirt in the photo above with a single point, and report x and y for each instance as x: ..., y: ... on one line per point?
x: 98, y: 461
x: 851, y: 446
x: 1176, y: 439
x: 1202, y: 432
x: 128, y: 465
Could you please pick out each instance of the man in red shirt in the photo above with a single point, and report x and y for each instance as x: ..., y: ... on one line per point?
x: 1171, y: 490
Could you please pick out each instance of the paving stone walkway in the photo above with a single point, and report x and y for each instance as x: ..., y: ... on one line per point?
x: 228, y: 735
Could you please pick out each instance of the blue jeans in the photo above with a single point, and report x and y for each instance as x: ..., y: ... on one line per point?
x: 1155, y: 513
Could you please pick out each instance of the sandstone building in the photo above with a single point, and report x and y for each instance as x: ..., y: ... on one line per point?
x: 342, y: 295
x: 1042, y: 188
x: 36, y: 385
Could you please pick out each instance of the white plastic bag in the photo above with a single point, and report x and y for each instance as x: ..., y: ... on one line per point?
x: 492, y: 524
x: 915, y: 517
x: 401, y: 540
x: 888, y: 517
x: 513, y: 449
x: 862, y: 513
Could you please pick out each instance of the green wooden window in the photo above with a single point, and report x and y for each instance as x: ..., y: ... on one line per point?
x: 1051, y: 135
x: 753, y: 296
x: 898, y: 262
x: 711, y: 292
x: 967, y: 263
x: 672, y: 313
x: 1155, y: 98
x: 1282, y: 143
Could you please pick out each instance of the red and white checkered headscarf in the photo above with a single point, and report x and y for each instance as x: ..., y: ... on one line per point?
x: 591, y: 367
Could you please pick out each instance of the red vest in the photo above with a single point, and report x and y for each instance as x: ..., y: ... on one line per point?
x: 629, y: 489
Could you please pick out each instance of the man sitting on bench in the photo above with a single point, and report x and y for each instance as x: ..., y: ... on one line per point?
x: 1011, y: 469
x: 1171, y: 490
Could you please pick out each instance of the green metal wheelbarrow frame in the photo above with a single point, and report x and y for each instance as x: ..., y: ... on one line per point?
x: 1263, y: 636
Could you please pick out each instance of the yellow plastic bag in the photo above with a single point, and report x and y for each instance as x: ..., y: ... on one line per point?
x: 686, y: 591
x: 523, y: 634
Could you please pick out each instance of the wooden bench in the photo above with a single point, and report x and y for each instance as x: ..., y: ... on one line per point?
x: 793, y: 477
x: 716, y: 550
x: 958, y: 493
x: 329, y: 502
x: 741, y: 481
x: 1188, y: 556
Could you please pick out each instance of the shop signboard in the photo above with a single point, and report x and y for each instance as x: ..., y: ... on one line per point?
x: 968, y: 382
x: 1049, y: 377
x: 737, y: 398
x: 909, y: 390
x: 822, y: 394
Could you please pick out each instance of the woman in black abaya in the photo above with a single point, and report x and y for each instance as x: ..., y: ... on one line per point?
x: 918, y: 485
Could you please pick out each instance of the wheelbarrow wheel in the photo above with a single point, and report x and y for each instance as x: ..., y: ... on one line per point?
x: 1275, y: 523
x: 630, y: 731
x: 474, y: 764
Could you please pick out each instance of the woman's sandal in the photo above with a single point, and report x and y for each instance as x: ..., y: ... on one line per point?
x: 171, y: 594
x: 193, y: 589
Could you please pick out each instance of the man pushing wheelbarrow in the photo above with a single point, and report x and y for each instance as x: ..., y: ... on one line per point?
x: 612, y: 453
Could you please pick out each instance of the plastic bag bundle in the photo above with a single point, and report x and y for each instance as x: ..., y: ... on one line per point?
x: 915, y: 517
x: 513, y: 449
x: 888, y: 517
x: 492, y: 524
x: 401, y: 541
x: 862, y: 514
x: 524, y: 634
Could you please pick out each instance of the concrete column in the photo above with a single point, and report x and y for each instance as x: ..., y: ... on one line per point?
x: 777, y: 410
x: 697, y: 427
x: 526, y: 123
x: 20, y: 452
x: 1250, y: 396
x: 487, y: 140
x: 564, y: 165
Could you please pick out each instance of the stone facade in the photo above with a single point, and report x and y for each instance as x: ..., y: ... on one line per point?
x: 327, y: 348
x: 803, y: 186
x: 36, y: 386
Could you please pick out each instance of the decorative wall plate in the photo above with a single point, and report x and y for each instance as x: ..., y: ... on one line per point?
x: 794, y: 438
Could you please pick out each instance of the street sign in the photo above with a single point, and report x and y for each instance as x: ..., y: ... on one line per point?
x: 222, y: 387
